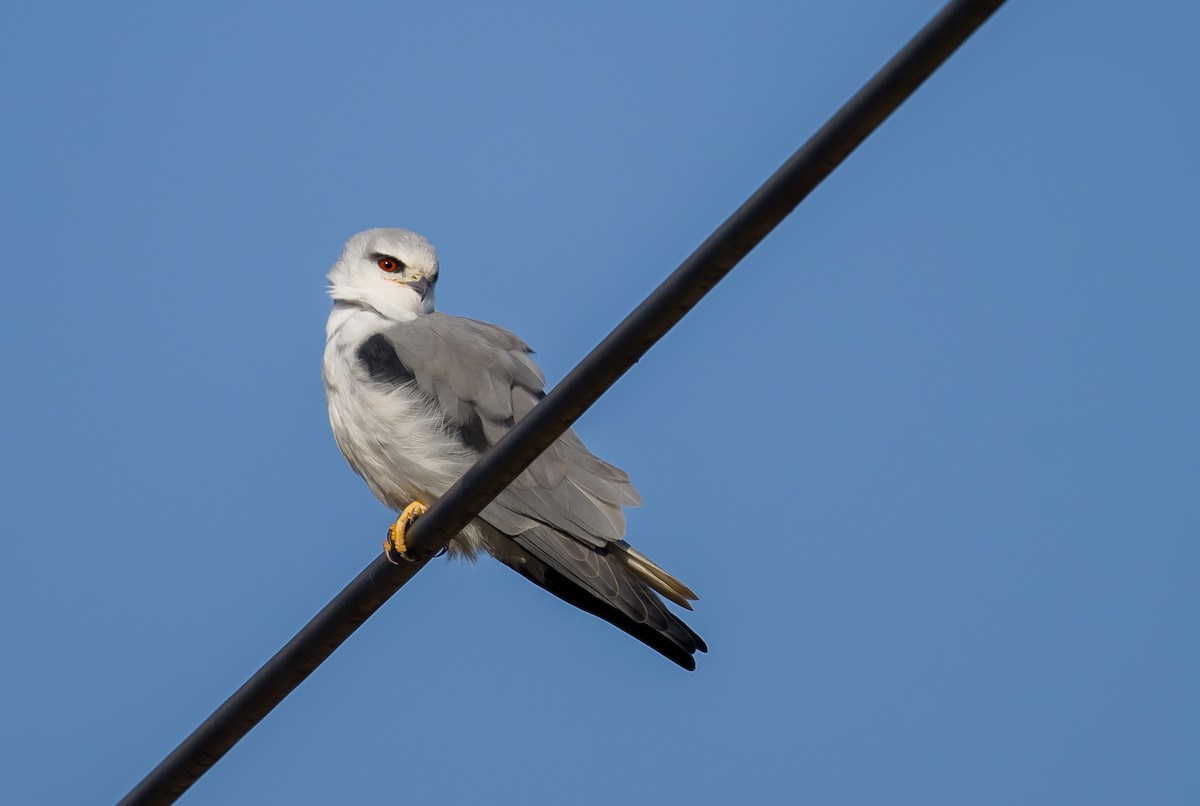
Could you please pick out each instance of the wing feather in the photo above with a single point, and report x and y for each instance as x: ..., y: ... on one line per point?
x: 482, y: 379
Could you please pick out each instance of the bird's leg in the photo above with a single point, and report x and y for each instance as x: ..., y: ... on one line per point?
x: 395, y: 546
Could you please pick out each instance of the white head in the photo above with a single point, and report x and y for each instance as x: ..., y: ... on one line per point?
x: 393, y: 271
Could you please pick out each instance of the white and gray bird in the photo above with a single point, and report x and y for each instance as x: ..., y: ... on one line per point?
x: 415, y: 397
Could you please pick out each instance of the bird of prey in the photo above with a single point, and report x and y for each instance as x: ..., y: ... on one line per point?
x: 416, y: 396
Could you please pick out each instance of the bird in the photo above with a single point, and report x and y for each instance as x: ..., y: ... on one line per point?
x: 416, y: 396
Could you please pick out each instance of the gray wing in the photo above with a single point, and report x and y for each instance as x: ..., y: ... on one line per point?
x: 564, y: 511
x: 483, y: 380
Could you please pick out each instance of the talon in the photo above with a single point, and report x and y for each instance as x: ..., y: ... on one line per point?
x: 395, y: 546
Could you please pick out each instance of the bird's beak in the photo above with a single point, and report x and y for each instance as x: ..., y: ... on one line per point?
x: 420, y: 285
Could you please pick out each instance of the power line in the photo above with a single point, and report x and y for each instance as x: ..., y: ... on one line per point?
x: 598, y: 371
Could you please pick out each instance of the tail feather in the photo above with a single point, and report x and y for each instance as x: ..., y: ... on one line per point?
x: 615, y: 584
x: 654, y: 575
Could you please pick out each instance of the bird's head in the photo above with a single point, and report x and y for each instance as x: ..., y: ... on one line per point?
x: 393, y: 271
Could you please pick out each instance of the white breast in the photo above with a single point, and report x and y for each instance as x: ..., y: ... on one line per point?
x: 391, y: 436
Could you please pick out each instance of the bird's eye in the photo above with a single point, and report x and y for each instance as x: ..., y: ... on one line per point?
x: 389, y: 264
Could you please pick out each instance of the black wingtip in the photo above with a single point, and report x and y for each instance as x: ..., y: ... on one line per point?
x: 662, y: 643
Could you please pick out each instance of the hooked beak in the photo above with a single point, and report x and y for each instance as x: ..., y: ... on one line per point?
x: 420, y: 285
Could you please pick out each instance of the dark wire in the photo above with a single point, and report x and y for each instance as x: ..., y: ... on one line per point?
x: 769, y: 205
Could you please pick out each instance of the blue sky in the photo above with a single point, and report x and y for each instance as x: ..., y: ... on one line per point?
x: 929, y: 456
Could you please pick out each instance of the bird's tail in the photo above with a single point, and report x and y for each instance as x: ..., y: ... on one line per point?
x: 616, y: 583
x: 653, y: 574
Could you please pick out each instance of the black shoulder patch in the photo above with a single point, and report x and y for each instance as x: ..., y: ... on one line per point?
x: 471, y: 434
x: 379, y: 358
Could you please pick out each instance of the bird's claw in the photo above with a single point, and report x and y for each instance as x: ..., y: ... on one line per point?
x: 395, y: 545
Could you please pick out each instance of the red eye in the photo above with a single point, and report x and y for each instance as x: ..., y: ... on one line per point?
x: 389, y: 264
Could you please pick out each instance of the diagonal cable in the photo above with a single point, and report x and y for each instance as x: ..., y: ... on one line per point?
x: 598, y: 371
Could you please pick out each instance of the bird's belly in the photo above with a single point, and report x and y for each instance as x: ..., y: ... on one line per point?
x: 391, y: 438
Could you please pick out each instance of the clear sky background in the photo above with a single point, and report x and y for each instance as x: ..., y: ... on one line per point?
x: 930, y: 456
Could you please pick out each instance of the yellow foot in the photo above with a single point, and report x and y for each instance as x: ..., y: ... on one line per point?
x: 395, y: 546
